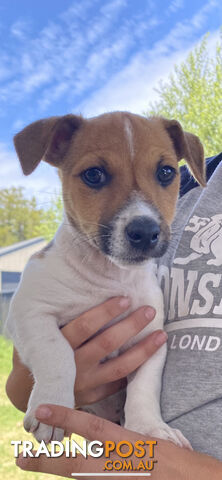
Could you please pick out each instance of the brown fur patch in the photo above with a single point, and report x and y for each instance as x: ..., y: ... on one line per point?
x: 103, y: 142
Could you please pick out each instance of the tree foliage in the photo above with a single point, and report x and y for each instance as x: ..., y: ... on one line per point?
x: 193, y: 96
x: 21, y: 219
x: 51, y: 219
x: 18, y: 216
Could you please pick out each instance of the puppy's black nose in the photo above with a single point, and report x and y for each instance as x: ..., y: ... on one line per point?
x: 142, y: 233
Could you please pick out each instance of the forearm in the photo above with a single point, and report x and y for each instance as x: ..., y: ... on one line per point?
x: 19, y: 384
x: 177, y: 463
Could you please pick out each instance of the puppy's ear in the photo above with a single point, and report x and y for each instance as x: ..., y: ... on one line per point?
x: 189, y: 147
x: 46, y: 139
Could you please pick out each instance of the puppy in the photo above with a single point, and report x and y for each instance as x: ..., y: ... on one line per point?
x: 120, y: 182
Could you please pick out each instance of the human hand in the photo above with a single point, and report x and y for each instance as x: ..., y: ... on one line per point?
x: 173, y: 463
x: 96, y: 380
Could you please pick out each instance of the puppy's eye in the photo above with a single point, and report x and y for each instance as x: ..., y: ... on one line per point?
x: 95, y: 177
x: 165, y: 175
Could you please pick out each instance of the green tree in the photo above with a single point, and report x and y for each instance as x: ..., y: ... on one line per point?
x: 21, y: 219
x: 18, y: 216
x: 51, y: 219
x: 193, y: 96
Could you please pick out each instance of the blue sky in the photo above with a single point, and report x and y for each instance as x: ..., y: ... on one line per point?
x: 88, y: 57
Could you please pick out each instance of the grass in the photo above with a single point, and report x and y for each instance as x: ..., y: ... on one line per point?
x: 11, y: 425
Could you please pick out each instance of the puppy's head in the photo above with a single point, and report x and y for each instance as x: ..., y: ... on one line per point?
x: 119, y: 174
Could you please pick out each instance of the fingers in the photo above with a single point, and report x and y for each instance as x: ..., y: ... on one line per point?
x: 87, y: 324
x: 110, y: 388
x: 99, y: 393
x: 116, y: 335
x: 118, y: 367
x: 129, y: 361
x: 82, y: 423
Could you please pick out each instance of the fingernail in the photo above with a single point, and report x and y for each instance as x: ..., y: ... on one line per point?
x: 124, y: 302
x: 43, y: 413
x: 160, y: 338
x: 149, y: 313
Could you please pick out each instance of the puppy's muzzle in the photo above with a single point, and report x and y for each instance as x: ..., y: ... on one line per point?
x: 134, y: 241
x: 142, y: 234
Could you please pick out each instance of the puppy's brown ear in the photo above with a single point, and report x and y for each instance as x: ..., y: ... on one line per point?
x: 189, y: 147
x: 46, y: 139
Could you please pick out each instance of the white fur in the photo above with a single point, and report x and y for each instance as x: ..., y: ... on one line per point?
x: 71, y: 278
x: 135, y: 207
x: 129, y: 134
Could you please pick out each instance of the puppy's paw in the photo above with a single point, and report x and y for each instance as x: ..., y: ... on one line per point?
x: 42, y: 394
x: 174, y: 435
x: 40, y: 430
x: 160, y: 430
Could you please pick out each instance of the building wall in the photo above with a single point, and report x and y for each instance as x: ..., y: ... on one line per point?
x: 5, y: 299
x: 16, y: 261
x: 11, y: 266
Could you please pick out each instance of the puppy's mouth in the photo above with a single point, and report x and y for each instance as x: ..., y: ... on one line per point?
x: 135, y: 242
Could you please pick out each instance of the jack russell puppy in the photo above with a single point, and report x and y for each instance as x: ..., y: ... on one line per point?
x: 120, y: 181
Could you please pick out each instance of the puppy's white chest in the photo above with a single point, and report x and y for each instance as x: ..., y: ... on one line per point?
x: 141, y: 286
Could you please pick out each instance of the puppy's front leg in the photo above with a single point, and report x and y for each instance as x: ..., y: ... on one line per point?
x: 142, y: 408
x: 51, y: 360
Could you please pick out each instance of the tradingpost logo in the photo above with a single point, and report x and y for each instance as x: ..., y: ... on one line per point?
x: 130, y: 458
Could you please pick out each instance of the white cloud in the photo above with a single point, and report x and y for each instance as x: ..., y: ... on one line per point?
x: 42, y: 183
x: 176, y: 5
x: 133, y: 88
x: 7, y: 161
x: 38, y: 78
x: 113, y: 7
x: 76, y: 11
x: 18, y: 124
x: 4, y: 72
x: 184, y: 33
x: 74, y: 53
x: 19, y: 29
x: 199, y: 19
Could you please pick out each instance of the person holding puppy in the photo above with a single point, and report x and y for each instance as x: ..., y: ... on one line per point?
x: 194, y: 261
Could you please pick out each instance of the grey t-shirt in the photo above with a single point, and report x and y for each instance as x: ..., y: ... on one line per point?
x: 191, y: 277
